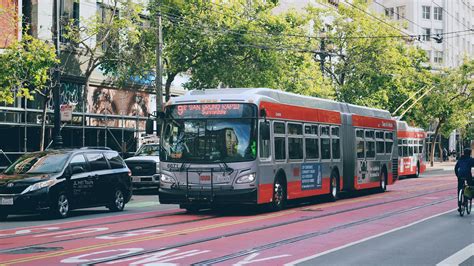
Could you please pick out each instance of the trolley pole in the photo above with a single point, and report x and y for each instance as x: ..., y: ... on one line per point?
x: 159, y: 68
x: 57, y: 138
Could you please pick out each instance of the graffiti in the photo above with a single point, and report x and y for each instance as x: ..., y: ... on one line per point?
x: 70, y: 93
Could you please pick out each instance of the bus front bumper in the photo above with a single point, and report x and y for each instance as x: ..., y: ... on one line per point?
x: 207, y: 196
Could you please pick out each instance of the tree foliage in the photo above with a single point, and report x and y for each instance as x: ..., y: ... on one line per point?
x: 373, y: 64
x: 235, y: 44
x: 26, y: 68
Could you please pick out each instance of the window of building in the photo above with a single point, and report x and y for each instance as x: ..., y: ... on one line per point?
x: 106, y: 13
x: 438, y: 57
x: 438, y: 32
x: 426, y: 12
x: 428, y: 54
x: 390, y: 12
x: 312, y: 148
x: 426, y: 34
x: 400, y: 12
x: 325, y: 148
x: 437, y: 13
x: 69, y: 12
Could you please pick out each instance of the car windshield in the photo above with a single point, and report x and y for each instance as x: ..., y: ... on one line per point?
x: 38, y: 163
x: 148, y: 150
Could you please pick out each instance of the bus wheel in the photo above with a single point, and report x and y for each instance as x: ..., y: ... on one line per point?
x: 279, y: 194
x: 334, y: 188
x: 417, y: 170
x: 383, y: 181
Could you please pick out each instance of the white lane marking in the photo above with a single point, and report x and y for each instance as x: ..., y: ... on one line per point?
x: 458, y: 257
x: 91, y: 219
x: 250, y: 259
x: 362, y: 240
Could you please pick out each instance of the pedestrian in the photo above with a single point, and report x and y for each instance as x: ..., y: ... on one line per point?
x: 445, y: 155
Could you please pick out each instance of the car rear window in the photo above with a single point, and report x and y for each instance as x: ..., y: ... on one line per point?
x: 115, y: 160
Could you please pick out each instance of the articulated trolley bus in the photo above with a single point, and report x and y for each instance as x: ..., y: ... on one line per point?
x: 411, y: 150
x: 264, y: 146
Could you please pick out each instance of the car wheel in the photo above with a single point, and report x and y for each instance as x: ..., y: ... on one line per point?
x: 118, y: 201
x: 60, y: 208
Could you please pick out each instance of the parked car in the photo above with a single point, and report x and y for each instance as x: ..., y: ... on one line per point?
x: 57, y: 181
x: 145, y: 166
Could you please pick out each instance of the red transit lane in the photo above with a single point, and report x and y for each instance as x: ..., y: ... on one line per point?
x: 279, y: 237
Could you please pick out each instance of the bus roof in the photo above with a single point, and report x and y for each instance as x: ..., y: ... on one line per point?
x: 258, y: 95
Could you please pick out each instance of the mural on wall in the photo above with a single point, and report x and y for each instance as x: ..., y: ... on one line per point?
x: 107, y: 101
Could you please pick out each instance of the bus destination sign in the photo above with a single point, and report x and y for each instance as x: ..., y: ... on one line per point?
x: 228, y: 110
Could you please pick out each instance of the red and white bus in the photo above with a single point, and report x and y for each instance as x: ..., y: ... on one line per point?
x: 264, y: 146
x: 411, y: 150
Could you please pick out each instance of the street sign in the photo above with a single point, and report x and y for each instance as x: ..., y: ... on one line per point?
x: 66, y: 112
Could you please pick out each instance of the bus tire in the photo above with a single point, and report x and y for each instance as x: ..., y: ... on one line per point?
x: 417, y: 173
x: 279, y: 194
x: 383, y: 180
x: 334, y: 186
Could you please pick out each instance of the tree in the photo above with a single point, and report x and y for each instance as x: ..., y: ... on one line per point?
x: 451, y: 104
x: 100, y: 39
x: 27, y: 67
x: 372, y: 62
x: 233, y: 44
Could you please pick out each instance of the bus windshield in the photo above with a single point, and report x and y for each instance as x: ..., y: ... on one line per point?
x: 225, y: 134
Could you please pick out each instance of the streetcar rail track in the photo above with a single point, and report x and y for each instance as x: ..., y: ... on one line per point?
x: 314, y: 234
x: 260, y: 228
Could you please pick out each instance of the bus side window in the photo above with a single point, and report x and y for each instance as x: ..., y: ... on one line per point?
x: 264, y: 144
x: 295, y: 141
x: 380, y: 144
x: 405, y: 148
x: 388, y: 142
x: 279, y: 143
x: 325, y: 143
x: 335, y: 143
x: 311, y: 141
x: 370, y: 144
x: 360, y: 144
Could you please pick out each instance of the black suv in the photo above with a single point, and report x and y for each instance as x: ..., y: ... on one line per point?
x: 60, y: 180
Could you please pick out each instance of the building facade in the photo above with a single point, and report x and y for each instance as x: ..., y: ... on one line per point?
x: 103, y: 115
x: 445, y: 27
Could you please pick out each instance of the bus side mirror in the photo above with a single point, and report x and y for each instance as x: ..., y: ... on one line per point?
x: 265, y: 130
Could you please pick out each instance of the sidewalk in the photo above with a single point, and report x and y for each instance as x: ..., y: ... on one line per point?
x: 441, y: 166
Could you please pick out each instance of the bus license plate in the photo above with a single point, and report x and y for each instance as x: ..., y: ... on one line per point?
x: 6, y: 201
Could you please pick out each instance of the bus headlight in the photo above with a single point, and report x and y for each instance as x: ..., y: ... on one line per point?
x: 246, y: 179
x: 167, y: 179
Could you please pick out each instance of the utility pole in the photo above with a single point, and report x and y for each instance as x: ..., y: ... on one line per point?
x: 159, y: 68
x: 57, y: 138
